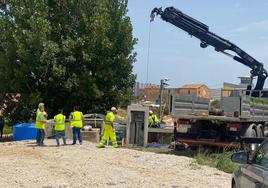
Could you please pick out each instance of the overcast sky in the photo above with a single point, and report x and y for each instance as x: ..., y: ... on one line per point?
x: 177, y: 56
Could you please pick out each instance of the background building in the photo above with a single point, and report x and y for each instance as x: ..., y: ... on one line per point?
x: 197, y: 90
x: 152, y: 94
x: 215, y: 94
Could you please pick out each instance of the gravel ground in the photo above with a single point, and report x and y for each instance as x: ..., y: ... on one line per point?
x: 25, y: 165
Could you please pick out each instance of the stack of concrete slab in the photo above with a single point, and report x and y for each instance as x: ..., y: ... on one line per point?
x: 92, y: 136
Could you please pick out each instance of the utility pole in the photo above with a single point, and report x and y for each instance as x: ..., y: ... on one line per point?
x: 163, y: 84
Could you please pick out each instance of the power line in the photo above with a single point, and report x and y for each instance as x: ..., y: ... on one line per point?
x: 148, y: 53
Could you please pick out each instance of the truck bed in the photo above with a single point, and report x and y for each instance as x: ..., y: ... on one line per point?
x: 248, y: 109
x: 220, y: 118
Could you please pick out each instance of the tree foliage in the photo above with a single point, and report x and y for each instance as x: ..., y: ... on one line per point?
x: 65, y: 53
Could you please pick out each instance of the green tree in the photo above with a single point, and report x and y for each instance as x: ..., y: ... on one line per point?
x: 65, y: 53
x: 215, y: 104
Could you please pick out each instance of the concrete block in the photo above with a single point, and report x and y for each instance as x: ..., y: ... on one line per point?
x: 92, y: 136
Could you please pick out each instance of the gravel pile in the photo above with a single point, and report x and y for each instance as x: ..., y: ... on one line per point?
x: 25, y: 165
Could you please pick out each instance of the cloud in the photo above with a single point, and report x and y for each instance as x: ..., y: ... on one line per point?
x: 252, y: 38
x: 259, y: 26
x: 264, y: 38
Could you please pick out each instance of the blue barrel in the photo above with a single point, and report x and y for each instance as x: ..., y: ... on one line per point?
x: 24, y: 131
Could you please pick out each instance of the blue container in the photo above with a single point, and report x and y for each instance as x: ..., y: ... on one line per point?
x: 24, y: 131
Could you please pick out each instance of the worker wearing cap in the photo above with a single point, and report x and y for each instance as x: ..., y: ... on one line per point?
x: 59, y: 126
x: 153, y: 120
x: 76, y: 123
x: 40, y: 124
x: 109, y: 131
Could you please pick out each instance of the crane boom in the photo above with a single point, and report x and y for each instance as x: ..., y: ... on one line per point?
x: 201, y: 31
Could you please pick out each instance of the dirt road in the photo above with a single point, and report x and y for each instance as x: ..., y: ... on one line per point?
x: 25, y: 165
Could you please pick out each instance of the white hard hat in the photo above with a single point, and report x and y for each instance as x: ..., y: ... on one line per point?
x: 40, y: 105
x: 113, y: 109
x: 150, y: 112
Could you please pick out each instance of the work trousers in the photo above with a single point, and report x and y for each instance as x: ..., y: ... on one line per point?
x: 108, y: 133
x: 77, y: 133
x: 41, y: 134
x: 1, y: 130
x: 60, y: 134
x: 156, y: 125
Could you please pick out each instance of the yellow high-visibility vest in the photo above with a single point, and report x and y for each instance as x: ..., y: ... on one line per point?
x: 40, y: 120
x: 76, y: 119
x: 153, y: 120
x: 110, y: 118
x: 59, y: 122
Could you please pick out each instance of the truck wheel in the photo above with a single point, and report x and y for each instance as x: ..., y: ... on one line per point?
x: 260, y: 133
x: 251, y: 132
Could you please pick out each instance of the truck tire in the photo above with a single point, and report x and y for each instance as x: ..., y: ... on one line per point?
x: 251, y: 132
x: 260, y: 132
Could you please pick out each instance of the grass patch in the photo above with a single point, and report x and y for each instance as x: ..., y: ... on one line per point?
x: 8, y: 129
x: 216, y: 159
x: 221, y: 161
x: 203, y: 158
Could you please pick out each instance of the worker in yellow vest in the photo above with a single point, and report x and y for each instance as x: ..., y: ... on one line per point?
x: 40, y: 124
x: 59, y: 126
x: 109, y: 131
x: 153, y: 120
x: 76, y: 123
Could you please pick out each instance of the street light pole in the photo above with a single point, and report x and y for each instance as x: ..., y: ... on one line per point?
x: 163, y: 84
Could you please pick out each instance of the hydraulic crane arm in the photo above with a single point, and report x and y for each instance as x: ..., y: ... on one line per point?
x: 201, y: 31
